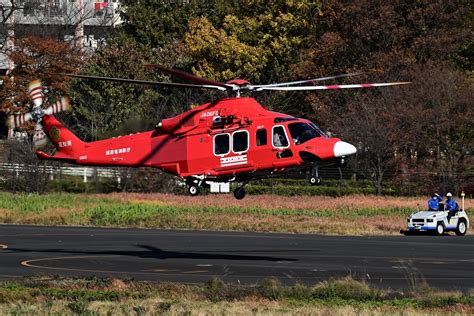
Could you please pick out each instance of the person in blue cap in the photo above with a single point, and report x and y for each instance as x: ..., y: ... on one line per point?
x: 433, y: 202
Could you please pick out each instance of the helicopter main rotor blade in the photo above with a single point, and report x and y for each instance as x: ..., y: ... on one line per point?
x: 336, y: 87
x: 306, y: 81
x: 189, y: 77
x: 146, y: 82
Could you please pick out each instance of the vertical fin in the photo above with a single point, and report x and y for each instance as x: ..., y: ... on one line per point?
x: 63, y: 139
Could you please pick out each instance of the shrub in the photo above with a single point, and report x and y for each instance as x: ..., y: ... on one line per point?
x: 271, y: 288
x: 346, y: 288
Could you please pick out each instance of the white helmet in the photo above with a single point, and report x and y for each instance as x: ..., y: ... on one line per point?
x: 449, y: 194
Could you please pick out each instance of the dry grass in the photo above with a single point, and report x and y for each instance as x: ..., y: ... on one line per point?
x: 262, y: 307
x: 185, y: 307
x: 366, y: 226
x: 45, y: 296
x: 281, y: 202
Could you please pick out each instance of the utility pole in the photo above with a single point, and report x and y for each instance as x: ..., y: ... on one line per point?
x: 79, y: 31
x: 10, y: 47
x: 11, y: 35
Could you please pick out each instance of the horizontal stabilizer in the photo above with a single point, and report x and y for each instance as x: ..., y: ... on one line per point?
x: 57, y: 156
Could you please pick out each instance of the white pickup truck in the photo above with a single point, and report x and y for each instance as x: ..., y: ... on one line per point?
x: 438, y: 222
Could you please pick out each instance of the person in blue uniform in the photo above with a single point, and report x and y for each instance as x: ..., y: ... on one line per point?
x: 433, y: 202
x: 451, y: 205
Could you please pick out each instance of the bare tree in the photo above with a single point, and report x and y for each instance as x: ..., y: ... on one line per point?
x: 26, y: 172
x: 424, y: 129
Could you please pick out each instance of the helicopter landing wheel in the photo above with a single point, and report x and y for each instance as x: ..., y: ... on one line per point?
x: 239, y: 193
x: 193, y: 190
x: 315, y: 180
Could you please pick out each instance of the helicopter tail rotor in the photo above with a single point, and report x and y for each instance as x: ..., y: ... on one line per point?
x: 61, y: 105
x: 17, y: 120
x: 35, y: 89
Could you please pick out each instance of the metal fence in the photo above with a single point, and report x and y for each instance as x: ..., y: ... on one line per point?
x: 81, y: 171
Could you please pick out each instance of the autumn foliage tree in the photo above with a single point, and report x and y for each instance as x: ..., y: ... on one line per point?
x: 37, y: 58
x: 416, y: 132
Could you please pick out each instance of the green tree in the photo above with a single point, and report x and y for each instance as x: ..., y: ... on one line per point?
x: 99, y: 106
x: 258, y: 42
x: 155, y: 23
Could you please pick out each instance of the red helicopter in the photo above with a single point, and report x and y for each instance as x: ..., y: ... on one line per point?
x: 234, y: 139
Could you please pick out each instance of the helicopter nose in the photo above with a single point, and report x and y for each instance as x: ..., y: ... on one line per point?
x: 343, y: 149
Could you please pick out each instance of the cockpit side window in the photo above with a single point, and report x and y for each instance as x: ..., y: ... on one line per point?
x: 302, y: 132
x: 319, y: 130
x: 279, y: 137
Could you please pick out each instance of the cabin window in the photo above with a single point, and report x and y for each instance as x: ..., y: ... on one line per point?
x: 261, y: 137
x: 221, y: 144
x: 279, y: 137
x: 240, y: 141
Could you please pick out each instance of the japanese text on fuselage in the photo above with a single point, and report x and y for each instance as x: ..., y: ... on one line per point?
x: 117, y: 151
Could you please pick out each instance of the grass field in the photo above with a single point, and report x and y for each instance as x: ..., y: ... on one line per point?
x: 348, y: 215
x: 50, y: 295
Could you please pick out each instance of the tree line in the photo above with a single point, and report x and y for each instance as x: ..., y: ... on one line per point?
x: 419, y: 133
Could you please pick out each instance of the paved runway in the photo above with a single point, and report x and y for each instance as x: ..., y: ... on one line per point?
x: 196, y: 256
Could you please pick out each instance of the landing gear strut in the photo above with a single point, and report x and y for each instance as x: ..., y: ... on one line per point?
x: 314, y: 178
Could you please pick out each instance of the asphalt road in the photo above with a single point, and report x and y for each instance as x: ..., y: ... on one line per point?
x: 195, y: 256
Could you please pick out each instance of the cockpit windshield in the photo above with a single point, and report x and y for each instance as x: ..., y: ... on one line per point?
x: 320, y: 131
x: 302, y: 132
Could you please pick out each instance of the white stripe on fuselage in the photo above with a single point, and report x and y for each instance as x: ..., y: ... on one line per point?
x: 233, y: 161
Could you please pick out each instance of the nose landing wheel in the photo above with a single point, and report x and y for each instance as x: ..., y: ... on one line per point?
x: 314, y: 178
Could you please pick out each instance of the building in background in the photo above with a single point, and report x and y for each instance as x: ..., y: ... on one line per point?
x: 84, y: 22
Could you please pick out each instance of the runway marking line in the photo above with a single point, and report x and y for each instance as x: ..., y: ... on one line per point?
x: 28, y: 263
x: 161, y: 270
